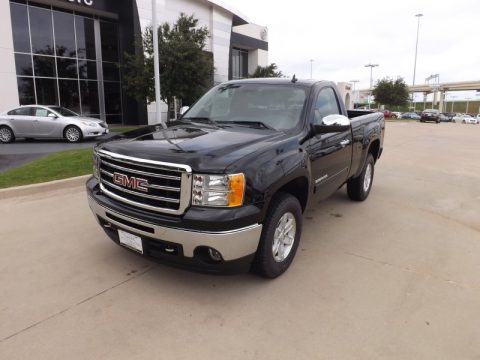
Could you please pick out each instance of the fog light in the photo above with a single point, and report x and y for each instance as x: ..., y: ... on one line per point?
x: 214, y: 255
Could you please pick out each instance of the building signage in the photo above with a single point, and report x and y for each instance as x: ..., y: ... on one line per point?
x: 82, y: 2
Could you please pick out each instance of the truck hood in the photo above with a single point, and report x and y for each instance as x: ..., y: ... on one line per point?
x: 204, y: 148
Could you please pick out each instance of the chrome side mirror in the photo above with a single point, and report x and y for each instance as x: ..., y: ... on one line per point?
x: 52, y: 115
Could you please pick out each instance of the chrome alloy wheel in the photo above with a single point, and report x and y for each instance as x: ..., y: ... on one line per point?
x: 284, y: 237
x: 72, y: 134
x: 367, y: 180
x: 5, y: 135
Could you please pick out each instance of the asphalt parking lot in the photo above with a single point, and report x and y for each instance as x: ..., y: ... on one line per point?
x: 395, y: 277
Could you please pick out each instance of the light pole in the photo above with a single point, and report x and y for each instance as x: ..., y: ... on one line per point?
x: 453, y: 99
x: 371, y: 66
x: 156, y: 65
x: 355, y: 98
x: 311, y: 68
x: 466, y: 108
x: 416, y: 50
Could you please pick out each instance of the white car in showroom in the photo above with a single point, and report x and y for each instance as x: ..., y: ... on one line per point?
x: 465, y: 119
x: 48, y: 122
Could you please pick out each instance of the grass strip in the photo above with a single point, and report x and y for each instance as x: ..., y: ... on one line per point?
x: 56, y: 166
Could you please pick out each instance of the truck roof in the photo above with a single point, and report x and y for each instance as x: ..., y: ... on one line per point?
x: 284, y: 81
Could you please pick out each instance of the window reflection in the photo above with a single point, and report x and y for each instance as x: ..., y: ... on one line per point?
x: 21, y: 36
x: 109, y: 36
x: 26, y: 91
x: 46, y: 91
x: 112, y: 98
x: 69, y: 95
x: 41, y: 30
x: 87, y: 69
x: 56, y: 59
x: 89, y: 95
x: 64, y: 34
x: 23, y: 64
x: 85, y: 38
x: 67, y: 68
x: 44, y: 65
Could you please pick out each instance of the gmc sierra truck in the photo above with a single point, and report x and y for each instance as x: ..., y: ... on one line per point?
x: 223, y: 189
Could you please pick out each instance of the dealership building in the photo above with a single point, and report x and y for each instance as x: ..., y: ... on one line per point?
x: 70, y: 52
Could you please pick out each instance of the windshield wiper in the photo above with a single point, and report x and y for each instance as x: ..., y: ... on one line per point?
x: 257, y: 124
x: 200, y: 119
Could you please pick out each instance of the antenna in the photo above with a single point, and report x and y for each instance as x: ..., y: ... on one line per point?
x: 294, y: 79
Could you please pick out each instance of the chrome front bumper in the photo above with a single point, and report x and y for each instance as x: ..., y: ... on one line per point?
x: 232, y: 244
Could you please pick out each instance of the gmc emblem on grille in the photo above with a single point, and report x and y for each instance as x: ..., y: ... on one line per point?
x: 130, y: 182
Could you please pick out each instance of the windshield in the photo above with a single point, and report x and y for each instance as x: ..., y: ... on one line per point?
x: 273, y: 106
x: 62, y: 111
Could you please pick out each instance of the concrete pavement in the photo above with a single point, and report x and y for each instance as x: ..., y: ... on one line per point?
x: 395, y: 277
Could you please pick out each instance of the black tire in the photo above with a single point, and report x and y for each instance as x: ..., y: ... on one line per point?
x: 270, y: 264
x: 357, y: 188
x: 72, y: 134
x: 6, y: 135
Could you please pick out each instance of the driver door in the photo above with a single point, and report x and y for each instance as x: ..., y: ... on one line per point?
x: 330, y: 153
x: 46, y: 126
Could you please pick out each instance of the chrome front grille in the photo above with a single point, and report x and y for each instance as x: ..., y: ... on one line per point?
x: 151, y: 185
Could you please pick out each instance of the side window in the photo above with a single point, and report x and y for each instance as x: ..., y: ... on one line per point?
x: 41, y: 112
x: 326, y: 104
x: 23, y: 111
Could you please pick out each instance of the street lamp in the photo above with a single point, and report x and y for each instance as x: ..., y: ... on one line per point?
x: 371, y: 66
x: 453, y: 99
x: 156, y: 64
x: 355, y: 98
x: 311, y: 68
x: 468, y: 99
x: 416, y: 50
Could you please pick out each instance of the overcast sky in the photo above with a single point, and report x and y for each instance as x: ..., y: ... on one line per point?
x: 342, y: 36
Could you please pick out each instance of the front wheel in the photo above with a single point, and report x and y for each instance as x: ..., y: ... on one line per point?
x: 280, y: 237
x: 72, y: 134
x: 358, y: 188
x: 6, y: 135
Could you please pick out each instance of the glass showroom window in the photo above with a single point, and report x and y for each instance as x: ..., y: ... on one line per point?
x: 239, y: 63
x: 57, y: 63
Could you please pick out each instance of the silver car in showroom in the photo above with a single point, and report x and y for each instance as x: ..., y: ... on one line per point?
x: 48, y: 122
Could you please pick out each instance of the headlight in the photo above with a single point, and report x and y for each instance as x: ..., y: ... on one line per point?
x: 218, y: 190
x: 96, y: 165
x: 90, y: 123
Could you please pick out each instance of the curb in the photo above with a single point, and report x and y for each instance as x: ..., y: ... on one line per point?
x: 26, y: 190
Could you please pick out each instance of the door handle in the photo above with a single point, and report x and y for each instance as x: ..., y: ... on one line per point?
x: 35, y: 120
x: 344, y: 143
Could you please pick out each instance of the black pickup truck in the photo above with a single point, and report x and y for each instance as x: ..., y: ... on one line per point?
x: 223, y: 189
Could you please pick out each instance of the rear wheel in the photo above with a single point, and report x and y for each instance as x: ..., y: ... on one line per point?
x: 72, y: 134
x: 359, y: 188
x: 280, y: 236
x: 6, y: 135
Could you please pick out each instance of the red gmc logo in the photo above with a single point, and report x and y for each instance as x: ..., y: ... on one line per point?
x: 130, y: 182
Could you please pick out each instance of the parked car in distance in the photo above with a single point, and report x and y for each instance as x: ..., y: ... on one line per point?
x: 398, y: 114
x: 430, y: 115
x: 410, y: 115
x: 48, y: 122
x: 450, y: 115
x: 389, y: 114
x: 443, y: 117
x: 465, y: 119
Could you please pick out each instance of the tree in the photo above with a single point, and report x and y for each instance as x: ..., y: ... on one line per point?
x: 186, y: 70
x: 266, y: 71
x: 391, y: 92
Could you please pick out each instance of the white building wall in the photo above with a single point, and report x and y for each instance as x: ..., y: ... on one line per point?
x: 8, y: 78
x: 217, y: 20
x: 252, y: 30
